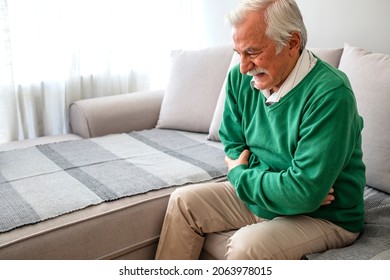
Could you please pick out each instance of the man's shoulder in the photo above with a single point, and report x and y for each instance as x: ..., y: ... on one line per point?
x: 331, y: 75
x: 326, y: 81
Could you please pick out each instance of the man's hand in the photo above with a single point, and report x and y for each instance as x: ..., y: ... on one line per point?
x: 242, y: 159
x: 329, y: 198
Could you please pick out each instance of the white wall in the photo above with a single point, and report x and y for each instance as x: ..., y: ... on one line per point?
x: 363, y: 23
x: 209, y: 27
x: 330, y: 23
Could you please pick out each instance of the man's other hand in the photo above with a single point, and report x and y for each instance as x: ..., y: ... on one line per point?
x: 242, y: 159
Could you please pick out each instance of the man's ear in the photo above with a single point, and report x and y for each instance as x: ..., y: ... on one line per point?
x: 295, y: 42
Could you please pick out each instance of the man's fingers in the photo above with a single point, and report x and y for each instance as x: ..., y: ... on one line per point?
x: 329, y: 198
x: 245, y: 155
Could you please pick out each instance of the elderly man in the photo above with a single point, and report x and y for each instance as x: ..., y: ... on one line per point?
x: 292, y: 137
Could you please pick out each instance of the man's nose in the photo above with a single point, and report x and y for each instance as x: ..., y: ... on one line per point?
x: 246, y: 64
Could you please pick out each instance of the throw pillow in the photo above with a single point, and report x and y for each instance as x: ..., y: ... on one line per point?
x: 330, y: 55
x: 217, y: 117
x: 195, y: 80
x: 369, y: 74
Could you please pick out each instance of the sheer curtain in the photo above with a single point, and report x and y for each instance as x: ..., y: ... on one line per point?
x: 53, y: 52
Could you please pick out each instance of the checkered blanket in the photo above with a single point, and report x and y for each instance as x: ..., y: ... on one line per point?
x: 46, y: 181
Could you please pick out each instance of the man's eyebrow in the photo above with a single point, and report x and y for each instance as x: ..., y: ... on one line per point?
x: 253, y: 50
x: 248, y: 50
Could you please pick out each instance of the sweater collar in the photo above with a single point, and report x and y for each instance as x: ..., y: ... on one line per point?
x: 305, y: 63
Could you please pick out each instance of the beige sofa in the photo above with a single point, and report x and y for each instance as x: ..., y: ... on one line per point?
x: 190, y: 106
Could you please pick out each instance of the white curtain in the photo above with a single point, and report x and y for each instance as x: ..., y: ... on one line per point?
x: 54, y: 52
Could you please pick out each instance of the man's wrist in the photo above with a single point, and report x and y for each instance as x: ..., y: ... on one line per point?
x: 235, y: 173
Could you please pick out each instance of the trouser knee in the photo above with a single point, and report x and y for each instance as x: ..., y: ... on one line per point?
x: 244, y: 245
x: 179, y: 197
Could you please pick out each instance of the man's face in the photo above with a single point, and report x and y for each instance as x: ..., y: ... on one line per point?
x: 258, y: 54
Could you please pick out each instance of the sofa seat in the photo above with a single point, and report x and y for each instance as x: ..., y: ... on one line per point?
x: 122, y: 229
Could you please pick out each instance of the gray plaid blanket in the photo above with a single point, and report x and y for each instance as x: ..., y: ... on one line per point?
x: 49, y: 180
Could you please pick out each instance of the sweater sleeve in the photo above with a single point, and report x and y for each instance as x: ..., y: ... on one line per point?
x: 328, y: 134
x: 230, y: 132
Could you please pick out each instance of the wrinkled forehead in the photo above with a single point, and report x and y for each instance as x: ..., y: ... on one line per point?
x: 250, y: 32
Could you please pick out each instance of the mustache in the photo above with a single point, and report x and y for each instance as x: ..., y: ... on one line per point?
x: 257, y: 71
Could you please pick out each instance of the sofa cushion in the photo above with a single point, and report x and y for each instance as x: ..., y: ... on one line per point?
x: 369, y: 74
x: 329, y: 55
x: 217, y: 117
x: 195, y: 80
x: 110, y: 230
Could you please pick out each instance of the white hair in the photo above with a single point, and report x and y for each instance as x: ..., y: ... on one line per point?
x: 282, y: 18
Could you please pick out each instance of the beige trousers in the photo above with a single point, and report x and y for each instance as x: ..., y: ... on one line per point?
x: 212, y: 207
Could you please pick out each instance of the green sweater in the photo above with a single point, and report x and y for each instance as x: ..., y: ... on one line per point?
x: 300, y: 147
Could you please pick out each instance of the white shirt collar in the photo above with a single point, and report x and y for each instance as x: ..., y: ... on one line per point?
x: 303, y: 66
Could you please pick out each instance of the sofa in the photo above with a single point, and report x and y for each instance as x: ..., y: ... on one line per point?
x: 101, y: 191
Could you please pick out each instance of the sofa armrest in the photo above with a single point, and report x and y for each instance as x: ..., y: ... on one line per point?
x: 115, y: 114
